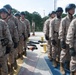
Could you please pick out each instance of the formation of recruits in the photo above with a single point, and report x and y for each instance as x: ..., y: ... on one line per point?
x: 14, y: 31
x: 60, y: 34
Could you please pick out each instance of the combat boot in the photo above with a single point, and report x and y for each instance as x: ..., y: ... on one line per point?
x: 57, y: 59
x: 62, y: 68
x: 54, y: 63
x: 50, y: 57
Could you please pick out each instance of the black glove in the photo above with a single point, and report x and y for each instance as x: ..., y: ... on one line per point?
x: 15, y: 45
x: 25, y: 38
x: 8, y: 49
x: 72, y: 51
x: 28, y: 35
x: 53, y: 42
x: 63, y: 44
x: 46, y: 37
x: 4, y: 41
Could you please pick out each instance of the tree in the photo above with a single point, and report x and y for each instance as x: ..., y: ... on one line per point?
x: 14, y: 11
x: 44, y: 19
x: 75, y: 15
x: 36, y: 17
x: 63, y: 15
x: 28, y: 16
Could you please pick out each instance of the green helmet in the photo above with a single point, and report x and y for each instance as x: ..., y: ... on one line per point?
x: 53, y: 12
x: 59, y: 9
x: 7, y: 6
x: 70, y: 6
x: 4, y: 10
x: 17, y: 14
x: 23, y: 13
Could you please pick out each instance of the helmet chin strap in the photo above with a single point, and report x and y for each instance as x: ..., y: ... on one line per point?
x: 9, y: 14
x: 58, y: 16
x: 70, y: 16
x: 5, y: 18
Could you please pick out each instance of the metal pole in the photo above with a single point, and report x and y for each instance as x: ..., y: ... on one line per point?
x: 55, y: 1
x: 44, y: 13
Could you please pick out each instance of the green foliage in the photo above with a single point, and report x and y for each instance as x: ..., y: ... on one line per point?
x: 28, y: 16
x: 44, y: 19
x: 63, y: 15
x: 38, y: 20
x: 14, y: 11
x: 75, y: 15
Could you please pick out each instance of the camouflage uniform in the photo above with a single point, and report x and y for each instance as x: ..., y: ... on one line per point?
x: 64, y: 56
x: 46, y: 29
x: 14, y: 34
x: 46, y: 33
x: 4, y: 33
x: 22, y: 36
x: 27, y: 25
x: 15, y: 38
x: 54, y: 29
x: 71, y: 40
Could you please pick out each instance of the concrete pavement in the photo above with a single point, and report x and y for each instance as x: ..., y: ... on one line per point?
x: 34, y: 63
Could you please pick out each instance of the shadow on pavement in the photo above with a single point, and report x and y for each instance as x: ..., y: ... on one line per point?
x: 25, y: 71
x: 31, y: 64
x: 55, y: 71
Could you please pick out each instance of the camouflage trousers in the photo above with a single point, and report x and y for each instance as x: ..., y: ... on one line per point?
x: 12, y: 55
x: 64, y: 55
x: 20, y: 46
x: 73, y: 60
x: 56, y: 49
x: 4, y: 68
x: 49, y: 47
